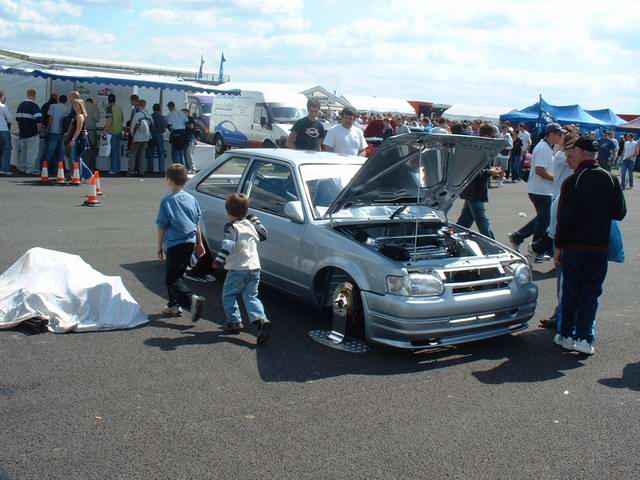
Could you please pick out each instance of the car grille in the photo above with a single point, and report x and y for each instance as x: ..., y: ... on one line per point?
x: 476, y: 280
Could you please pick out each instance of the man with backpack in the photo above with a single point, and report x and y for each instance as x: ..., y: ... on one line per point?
x: 582, y: 241
x: 140, y: 134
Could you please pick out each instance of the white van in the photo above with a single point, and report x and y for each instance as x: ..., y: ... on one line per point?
x: 261, y: 116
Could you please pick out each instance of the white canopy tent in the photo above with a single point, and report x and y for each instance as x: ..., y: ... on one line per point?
x: 475, y: 112
x: 364, y: 103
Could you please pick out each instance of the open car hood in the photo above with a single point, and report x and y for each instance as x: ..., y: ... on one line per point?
x: 418, y: 168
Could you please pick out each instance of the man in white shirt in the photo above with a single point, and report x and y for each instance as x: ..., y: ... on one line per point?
x: 177, y: 121
x: 345, y: 138
x: 5, y: 137
x: 629, y: 154
x: 442, y: 128
x: 502, y: 159
x: 525, y: 138
x: 540, y: 186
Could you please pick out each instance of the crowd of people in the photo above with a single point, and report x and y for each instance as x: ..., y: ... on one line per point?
x: 69, y: 126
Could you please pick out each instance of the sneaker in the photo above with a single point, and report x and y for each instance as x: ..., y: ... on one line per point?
x: 583, y: 346
x: 541, y: 258
x: 232, y: 327
x: 197, y: 304
x: 197, y: 278
x: 264, y: 331
x: 567, y: 343
x: 514, y: 244
x: 174, y: 311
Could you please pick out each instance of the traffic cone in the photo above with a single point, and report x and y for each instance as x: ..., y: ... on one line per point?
x: 98, y: 187
x: 92, y: 198
x: 44, y: 175
x: 75, y: 178
x: 60, y: 180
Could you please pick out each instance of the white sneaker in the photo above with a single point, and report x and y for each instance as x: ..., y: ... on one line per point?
x: 175, y: 311
x: 583, y: 346
x: 565, y: 342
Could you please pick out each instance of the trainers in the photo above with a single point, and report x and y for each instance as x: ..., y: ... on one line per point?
x: 264, y: 331
x: 232, y: 327
x: 198, y: 278
x: 583, y: 346
x: 514, y: 244
x: 197, y: 304
x: 542, y: 258
x: 565, y: 342
x: 174, y: 311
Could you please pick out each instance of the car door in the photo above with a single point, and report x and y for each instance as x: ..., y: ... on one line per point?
x: 261, y: 128
x: 212, y: 193
x: 269, y: 185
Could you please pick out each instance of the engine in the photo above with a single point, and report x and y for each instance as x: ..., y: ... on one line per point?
x: 404, y: 241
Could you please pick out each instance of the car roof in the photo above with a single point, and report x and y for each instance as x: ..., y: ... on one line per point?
x: 300, y: 157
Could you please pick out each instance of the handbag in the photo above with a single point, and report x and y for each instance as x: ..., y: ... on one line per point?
x: 616, y: 244
x: 105, y: 145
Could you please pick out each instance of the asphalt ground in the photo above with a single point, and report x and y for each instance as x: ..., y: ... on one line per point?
x: 176, y: 401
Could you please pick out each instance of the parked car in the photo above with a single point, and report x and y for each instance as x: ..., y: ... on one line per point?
x: 377, y: 228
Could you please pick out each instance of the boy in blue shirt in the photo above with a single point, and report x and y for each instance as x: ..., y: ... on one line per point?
x: 178, y: 235
x: 239, y: 256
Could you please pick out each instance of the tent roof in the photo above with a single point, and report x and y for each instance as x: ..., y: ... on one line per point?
x: 131, y: 80
x: 633, y: 125
x: 364, y: 103
x: 606, y: 115
x: 560, y: 113
x: 472, y: 112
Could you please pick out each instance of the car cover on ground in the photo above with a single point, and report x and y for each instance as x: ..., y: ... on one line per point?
x: 65, y: 290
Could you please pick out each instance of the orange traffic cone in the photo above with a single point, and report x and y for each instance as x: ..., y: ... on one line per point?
x: 44, y: 175
x: 60, y: 180
x: 98, y: 187
x: 75, y: 178
x: 92, y: 198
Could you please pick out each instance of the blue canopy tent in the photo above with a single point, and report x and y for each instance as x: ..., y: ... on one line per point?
x: 541, y: 113
x: 607, y: 115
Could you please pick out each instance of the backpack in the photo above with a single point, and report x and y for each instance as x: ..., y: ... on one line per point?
x: 65, y: 124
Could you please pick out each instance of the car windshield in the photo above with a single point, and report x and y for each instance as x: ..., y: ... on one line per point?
x: 283, y: 113
x: 325, y: 182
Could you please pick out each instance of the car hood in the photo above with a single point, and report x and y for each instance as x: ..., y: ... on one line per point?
x: 418, y: 168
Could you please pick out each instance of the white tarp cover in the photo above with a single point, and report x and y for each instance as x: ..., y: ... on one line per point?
x: 68, y: 292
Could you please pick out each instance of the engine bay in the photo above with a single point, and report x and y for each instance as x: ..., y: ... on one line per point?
x: 426, y: 240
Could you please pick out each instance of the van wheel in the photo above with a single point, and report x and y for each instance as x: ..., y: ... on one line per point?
x: 355, y: 312
x: 219, y: 144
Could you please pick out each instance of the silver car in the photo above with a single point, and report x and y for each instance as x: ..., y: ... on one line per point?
x: 376, y: 229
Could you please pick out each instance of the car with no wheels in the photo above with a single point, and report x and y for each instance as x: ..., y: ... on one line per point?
x: 376, y: 229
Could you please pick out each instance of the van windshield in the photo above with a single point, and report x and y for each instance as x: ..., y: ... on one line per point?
x: 284, y: 113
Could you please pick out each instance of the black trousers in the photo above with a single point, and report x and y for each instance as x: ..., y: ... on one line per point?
x: 178, y: 259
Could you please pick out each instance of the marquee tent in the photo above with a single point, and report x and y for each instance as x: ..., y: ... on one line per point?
x: 633, y: 126
x: 543, y: 112
x: 379, y: 104
x: 607, y: 115
x: 472, y: 112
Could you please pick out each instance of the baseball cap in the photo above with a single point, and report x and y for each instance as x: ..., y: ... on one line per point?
x: 553, y: 127
x: 586, y: 142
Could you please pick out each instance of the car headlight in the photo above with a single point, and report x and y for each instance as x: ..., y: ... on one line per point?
x: 522, y: 274
x: 415, y: 285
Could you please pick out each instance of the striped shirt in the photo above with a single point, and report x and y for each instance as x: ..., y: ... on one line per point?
x: 28, y: 117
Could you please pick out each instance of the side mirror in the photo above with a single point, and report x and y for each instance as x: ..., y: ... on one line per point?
x: 264, y: 123
x: 294, y: 211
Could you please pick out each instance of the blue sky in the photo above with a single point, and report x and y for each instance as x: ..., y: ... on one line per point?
x: 489, y: 53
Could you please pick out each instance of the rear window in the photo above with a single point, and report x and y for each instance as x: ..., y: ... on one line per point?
x: 225, y: 179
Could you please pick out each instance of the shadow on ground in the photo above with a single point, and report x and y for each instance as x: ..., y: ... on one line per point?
x: 630, y: 378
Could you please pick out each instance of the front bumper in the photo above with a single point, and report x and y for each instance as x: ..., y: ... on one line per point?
x: 407, y: 322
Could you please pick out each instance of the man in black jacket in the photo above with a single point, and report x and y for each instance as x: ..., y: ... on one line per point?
x: 590, y: 198
x: 475, y: 195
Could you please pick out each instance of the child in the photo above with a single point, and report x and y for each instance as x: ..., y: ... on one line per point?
x: 239, y: 256
x: 178, y: 233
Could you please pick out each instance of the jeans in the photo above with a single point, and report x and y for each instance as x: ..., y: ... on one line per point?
x: 475, y: 211
x: 178, y: 259
x: 78, y: 152
x: 28, y: 157
x: 583, y: 274
x: 516, y: 163
x: 94, y: 145
x: 5, y: 151
x: 114, y: 156
x: 188, y: 162
x: 627, y: 167
x: 54, y: 153
x: 538, y: 226
x: 156, y: 144
x: 245, y: 283
x: 177, y: 154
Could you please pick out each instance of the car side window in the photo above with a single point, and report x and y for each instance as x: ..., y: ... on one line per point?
x: 260, y: 115
x: 225, y: 179
x: 271, y: 187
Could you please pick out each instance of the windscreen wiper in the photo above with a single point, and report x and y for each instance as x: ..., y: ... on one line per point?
x: 398, y: 212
